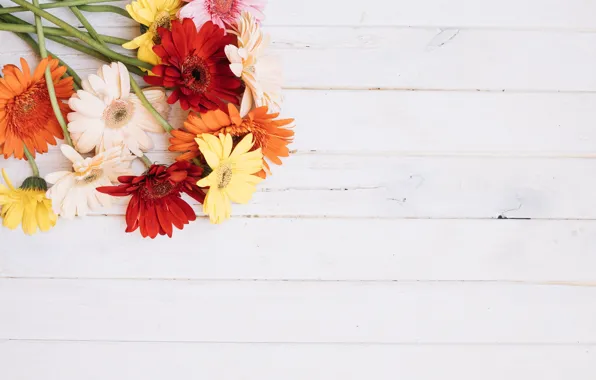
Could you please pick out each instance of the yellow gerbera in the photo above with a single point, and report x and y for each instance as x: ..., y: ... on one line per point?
x: 153, y: 14
x: 232, y: 178
x: 27, y: 205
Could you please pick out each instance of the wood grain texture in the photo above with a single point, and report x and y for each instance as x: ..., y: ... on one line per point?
x: 190, y: 311
x: 510, y: 14
x: 151, y: 361
x: 316, y: 249
x: 387, y: 186
x: 406, y: 58
x: 439, y: 123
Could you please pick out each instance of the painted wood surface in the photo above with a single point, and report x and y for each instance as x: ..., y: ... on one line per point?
x: 223, y: 361
x: 436, y: 218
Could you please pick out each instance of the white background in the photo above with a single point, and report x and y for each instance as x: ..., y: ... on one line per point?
x: 375, y: 252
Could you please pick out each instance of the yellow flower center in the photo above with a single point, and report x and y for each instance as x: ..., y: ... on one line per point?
x: 118, y: 113
x: 162, y: 20
x: 224, y: 175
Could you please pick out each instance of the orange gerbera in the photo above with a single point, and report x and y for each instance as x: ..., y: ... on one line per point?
x: 271, y: 135
x: 26, y: 115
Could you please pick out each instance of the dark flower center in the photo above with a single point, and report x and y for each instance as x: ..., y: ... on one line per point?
x: 195, y: 74
x: 157, y: 190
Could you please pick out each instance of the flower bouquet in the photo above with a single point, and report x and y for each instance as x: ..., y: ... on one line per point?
x: 210, y: 57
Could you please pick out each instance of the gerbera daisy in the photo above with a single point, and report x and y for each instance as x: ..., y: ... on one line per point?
x: 221, y: 12
x: 73, y: 193
x: 27, y: 205
x: 270, y: 134
x: 232, y: 178
x: 260, y: 71
x: 105, y: 113
x: 26, y: 114
x: 195, y: 65
x: 152, y: 14
x: 156, y: 204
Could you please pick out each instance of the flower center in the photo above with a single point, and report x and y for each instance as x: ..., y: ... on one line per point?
x: 118, y: 114
x: 222, y: 6
x: 162, y: 20
x: 195, y: 74
x: 91, y: 176
x: 157, y: 190
x: 224, y: 175
x: 29, y: 112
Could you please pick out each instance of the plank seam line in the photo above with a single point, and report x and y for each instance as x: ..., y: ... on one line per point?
x: 348, y: 217
x: 303, y: 280
x: 495, y: 28
x: 413, y: 343
x: 433, y: 154
x: 416, y: 89
x: 425, y: 154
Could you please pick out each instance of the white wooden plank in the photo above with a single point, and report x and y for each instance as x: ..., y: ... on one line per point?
x: 387, y: 186
x: 313, y: 249
x: 404, y: 58
x: 452, y: 123
x: 438, y: 122
x: 222, y: 311
x: 573, y: 14
x: 524, y: 14
x: 436, y: 59
x: 460, y: 122
x: 72, y: 360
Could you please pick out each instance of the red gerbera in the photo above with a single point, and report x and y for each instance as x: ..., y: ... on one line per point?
x: 195, y: 65
x: 156, y: 204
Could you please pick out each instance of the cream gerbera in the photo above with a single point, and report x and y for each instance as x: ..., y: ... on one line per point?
x: 260, y: 71
x: 105, y: 113
x: 153, y: 14
x: 233, y: 176
x: 73, y: 193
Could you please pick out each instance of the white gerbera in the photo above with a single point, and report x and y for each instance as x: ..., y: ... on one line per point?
x: 260, y: 71
x: 105, y: 113
x: 74, y: 193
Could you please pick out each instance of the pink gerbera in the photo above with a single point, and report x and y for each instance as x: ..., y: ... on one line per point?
x: 221, y: 12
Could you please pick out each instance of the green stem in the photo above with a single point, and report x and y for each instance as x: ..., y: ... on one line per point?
x: 31, y: 160
x: 69, y: 71
x: 163, y: 122
x: 90, y: 41
x: 49, y: 31
x: 92, y: 32
x: 71, y: 44
x: 87, y: 50
x: 146, y: 161
x: 105, y: 8
x: 49, y: 82
x: 53, y: 5
x: 79, y: 47
x: 137, y: 90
